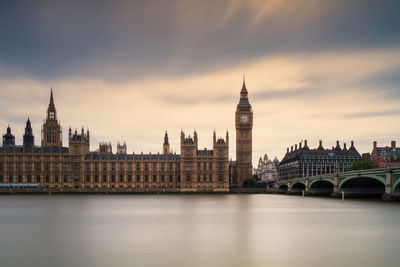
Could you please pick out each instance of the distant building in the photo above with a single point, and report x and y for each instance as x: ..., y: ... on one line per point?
x: 383, y: 157
x: 303, y: 161
x: 53, y: 165
x: 267, y: 170
x: 121, y: 148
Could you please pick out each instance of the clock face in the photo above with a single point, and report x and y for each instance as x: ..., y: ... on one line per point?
x: 244, y: 118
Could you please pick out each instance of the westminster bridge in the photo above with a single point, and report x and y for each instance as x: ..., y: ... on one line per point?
x: 383, y: 182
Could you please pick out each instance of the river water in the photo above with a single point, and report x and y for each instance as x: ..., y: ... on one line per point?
x: 197, y: 230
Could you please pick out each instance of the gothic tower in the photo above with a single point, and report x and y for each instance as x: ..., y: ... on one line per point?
x: 166, y: 144
x: 51, y: 129
x: 244, y: 127
x: 8, y: 138
x: 29, y: 139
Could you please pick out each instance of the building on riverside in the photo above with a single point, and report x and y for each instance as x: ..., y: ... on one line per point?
x: 301, y: 161
x: 54, y: 166
x: 267, y: 170
x: 383, y: 157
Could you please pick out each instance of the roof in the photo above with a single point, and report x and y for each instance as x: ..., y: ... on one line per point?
x: 303, y: 153
x: 108, y: 156
x: 388, y: 152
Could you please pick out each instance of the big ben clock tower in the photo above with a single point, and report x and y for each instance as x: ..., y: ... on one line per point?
x: 244, y: 139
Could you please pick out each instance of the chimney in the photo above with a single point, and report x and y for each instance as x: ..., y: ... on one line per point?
x: 291, y: 150
x: 287, y: 150
x: 375, y: 144
x: 320, y: 142
x: 393, y: 145
x: 305, y: 142
x: 352, y: 143
x: 295, y: 147
x: 344, y: 146
x: 300, y: 145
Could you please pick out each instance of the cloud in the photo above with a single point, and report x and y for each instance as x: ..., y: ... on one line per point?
x: 294, y: 98
x: 123, y: 40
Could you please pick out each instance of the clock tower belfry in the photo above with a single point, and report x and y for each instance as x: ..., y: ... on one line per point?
x: 244, y: 139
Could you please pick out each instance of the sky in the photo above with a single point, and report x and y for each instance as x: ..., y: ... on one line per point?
x: 129, y: 70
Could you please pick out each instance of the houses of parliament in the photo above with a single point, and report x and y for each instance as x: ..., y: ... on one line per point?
x: 52, y: 166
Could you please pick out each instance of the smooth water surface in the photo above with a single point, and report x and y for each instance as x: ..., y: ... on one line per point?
x: 197, y: 230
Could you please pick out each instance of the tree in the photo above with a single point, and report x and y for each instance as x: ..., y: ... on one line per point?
x: 361, y: 165
x: 250, y: 182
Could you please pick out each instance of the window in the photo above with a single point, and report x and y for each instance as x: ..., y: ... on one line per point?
x: 47, y: 179
x: 188, y: 166
x: 1, y: 178
x: 65, y: 167
x: 146, y: 178
x: 113, y: 178
x: 221, y: 178
x: 56, y: 178
x: 129, y: 178
x: 87, y: 178
x: 65, y: 179
x: 137, y: 178
x: 162, y: 177
x: 96, y: 178
x: 121, y: 178
x: 188, y: 178
x: 104, y: 166
x: 154, y: 178
x: 76, y: 178
x: 38, y: 178
x: 104, y: 178
x: 170, y: 178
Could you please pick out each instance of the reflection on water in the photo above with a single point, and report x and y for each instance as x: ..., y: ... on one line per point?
x: 196, y: 230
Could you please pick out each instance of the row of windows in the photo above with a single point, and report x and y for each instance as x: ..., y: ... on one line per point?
x: 104, y: 178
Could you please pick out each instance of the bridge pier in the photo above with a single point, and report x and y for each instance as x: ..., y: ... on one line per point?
x: 388, y: 196
x: 306, y: 188
x: 335, y: 192
x: 288, y: 187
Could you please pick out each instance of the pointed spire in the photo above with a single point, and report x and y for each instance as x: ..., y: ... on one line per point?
x: 166, y: 138
x: 51, y: 97
x: 51, y: 110
x: 244, y: 89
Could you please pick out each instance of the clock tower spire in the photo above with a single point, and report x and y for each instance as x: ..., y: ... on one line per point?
x: 244, y: 128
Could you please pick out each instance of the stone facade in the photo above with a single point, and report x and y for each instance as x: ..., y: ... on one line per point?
x: 267, y: 170
x: 53, y: 166
x: 303, y: 161
x: 383, y: 157
x: 242, y: 168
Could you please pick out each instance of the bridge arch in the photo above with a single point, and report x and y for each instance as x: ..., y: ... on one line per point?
x: 370, y: 185
x: 297, y: 187
x: 283, y: 188
x: 321, y: 187
x: 396, y: 188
